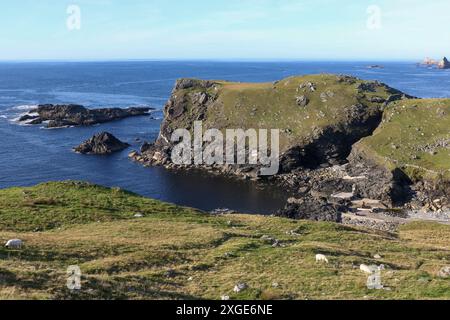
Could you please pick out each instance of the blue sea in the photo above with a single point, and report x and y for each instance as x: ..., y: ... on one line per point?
x: 32, y: 154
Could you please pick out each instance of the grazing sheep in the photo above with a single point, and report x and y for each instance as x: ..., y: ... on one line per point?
x: 321, y: 258
x: 370, y: 269
x: 14, y: 244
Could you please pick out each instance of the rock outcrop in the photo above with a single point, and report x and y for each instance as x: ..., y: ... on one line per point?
x: 75, y: 115
x: 444, y: 64
x: 315, y: 209
x: 101, y: 144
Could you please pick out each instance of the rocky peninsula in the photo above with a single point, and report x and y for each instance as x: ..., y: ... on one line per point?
x: 56, y: 116
x: 347, y: 145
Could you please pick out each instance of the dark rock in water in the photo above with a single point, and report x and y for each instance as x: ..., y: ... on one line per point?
x: 315, y: 209
x: 76, y: 115
x: 444, y: 64
x: 102, y: 143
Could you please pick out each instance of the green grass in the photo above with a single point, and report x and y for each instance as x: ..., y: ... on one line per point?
x: 408, y: 127
x: 122, y: 257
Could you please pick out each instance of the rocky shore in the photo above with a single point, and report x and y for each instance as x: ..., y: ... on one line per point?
x: 341, y: 150
x: 56, y: 116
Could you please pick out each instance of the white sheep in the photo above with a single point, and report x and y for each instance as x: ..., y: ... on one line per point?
x: 321, y: 258
x: 370, y: 269
x: 14, y: 244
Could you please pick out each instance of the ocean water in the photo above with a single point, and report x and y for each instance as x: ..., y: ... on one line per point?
x: 32, y: 154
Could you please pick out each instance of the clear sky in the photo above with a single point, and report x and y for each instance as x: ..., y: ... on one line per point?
x: 225, y: 29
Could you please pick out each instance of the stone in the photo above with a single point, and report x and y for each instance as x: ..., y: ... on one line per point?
x: 302, y: 101
x: 240, y: 287
x: 444, y: 272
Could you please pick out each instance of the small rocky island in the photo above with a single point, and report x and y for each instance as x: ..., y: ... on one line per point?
x: 103, y: 143
x: 57, y: 116
x: 442, y: 64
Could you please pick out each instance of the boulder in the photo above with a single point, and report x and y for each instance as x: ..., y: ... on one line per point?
x: 445, y: 272
x: 101, y: 144
x: 302, y: 101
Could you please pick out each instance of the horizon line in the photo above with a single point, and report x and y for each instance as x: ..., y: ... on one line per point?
x: 203, y: 60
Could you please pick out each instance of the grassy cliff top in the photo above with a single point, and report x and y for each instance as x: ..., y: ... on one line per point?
x: 124, y: 257
x: 329, y: 100
x: 414, y: 136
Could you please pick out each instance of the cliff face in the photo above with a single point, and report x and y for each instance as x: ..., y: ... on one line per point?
x: 413, y: 141
x: 320, y: 117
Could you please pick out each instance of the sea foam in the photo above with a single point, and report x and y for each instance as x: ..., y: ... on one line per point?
x: 25, y: 107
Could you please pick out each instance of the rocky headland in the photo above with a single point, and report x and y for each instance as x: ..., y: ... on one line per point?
x: 56, y: 116
x: 347, y: 145
x: 103, y: 143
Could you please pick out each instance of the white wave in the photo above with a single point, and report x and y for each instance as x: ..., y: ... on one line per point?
x: 17, y: 118
x: 25, y: 107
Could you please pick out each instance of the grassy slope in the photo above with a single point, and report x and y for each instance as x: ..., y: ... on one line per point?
x: 274, y: 106
x: 409, y: 126
x: 125, y: 257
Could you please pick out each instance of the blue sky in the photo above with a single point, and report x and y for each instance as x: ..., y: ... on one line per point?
x: 225, y: 30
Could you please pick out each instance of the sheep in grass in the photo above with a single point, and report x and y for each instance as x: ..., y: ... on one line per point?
x: 371, y: 269
x: 14, y: 244
x: 321, y: 258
